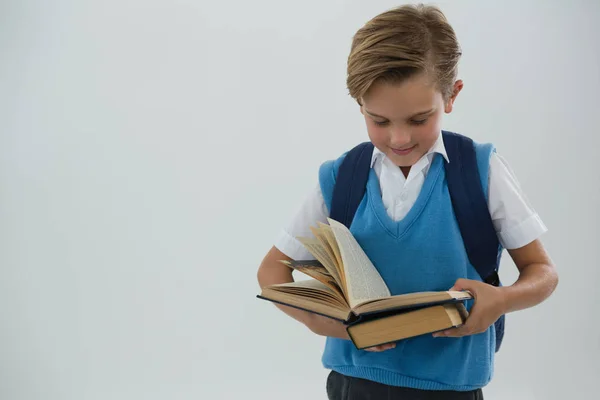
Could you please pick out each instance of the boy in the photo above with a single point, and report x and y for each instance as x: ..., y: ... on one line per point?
x: 402, y: 71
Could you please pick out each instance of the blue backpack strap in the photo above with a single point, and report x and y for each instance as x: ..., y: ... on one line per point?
x: 471, y: 207
x: 351, y: 183
x: 472, y: 213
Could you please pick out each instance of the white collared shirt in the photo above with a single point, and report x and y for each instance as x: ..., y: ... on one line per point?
x: 516, y: 222
x: 398, y: 192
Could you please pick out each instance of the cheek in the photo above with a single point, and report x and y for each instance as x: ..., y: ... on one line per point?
x: 427, y: 134
x: 377, y: 134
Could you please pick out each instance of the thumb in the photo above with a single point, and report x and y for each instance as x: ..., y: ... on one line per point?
x: 462, y: 284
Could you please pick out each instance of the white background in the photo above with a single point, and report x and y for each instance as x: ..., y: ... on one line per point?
x: 151, y: 150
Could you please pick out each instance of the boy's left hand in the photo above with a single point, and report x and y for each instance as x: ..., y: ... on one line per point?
x: 488, y: 307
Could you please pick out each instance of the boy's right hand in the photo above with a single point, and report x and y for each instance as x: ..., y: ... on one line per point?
x: 271, y: 272
x: 326, y: 326
x: 329, y: 327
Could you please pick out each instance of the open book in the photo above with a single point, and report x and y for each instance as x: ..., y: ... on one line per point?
x: 346, y: 286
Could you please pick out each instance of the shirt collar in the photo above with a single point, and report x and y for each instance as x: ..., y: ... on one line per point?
x: 438, y: 147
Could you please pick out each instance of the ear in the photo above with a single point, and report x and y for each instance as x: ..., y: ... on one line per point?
x: 458, y: 85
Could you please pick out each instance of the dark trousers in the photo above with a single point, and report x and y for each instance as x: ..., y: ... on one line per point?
x: 341, y: 387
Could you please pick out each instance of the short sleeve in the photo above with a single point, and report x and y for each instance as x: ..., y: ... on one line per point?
x: 311, y: 211
x: 515, y: 220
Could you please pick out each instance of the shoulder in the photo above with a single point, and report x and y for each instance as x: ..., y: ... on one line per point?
x: 484, y: 150
x: 490, y: 161
x: 460, y: 148
x: 328, y: 172
x: 484, y: 153
x: 329, y: 169
x: 491, y: 165
x: 457, y: 144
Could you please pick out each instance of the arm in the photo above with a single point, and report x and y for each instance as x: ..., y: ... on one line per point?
x: 537, y: 281
x: 273, y: 272
x: 537, y: 278
x: 518, y: 228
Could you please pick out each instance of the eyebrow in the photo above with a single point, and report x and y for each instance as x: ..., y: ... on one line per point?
x: 422, y: 113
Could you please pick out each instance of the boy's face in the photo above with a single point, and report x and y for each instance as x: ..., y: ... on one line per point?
x: 404, y: 120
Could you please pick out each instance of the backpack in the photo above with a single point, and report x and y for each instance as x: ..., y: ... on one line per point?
x: 468, y: 202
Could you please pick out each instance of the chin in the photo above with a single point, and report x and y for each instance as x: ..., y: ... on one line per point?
x: 400, y: 161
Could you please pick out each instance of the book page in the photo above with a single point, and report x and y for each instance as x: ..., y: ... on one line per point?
x: 311, y: 288
x: 314, y: 269
x: 328, y: 233
x: 362, y: 279
x: 316, y: 249
x: 325, y: 236
x: 320, y: 235
x: 310, y: 295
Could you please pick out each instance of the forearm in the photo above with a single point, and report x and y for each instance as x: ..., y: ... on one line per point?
x: 273, y: 275
x: 272, y: 272
x: 535, y: 284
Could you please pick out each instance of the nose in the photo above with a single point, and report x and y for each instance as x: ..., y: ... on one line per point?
x: 399, y: 137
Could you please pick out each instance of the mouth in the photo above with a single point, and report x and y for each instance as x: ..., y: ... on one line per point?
x: 404, y: 151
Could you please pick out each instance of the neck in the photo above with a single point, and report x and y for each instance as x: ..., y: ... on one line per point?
x: 405, y: 171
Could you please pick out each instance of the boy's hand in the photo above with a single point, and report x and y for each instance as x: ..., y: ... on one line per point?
x: 382, y: 347
x: 329, y: 327
x: 324, y: 326
x: 490, y: 304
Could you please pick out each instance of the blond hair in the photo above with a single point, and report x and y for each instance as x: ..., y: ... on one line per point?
x: 401, y: 43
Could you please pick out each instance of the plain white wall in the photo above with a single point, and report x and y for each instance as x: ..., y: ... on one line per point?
x: 151, y: 150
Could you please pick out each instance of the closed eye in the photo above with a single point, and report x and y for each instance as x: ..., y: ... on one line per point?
x: 418, y: 122
x: 412, y: 122
x: 381, y: 123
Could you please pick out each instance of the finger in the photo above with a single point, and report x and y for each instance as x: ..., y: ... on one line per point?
x: 466, y: 285
x: 382, y: 347
x: 445, y: 333
x: 373, y: 349
x: 464, y: 329
x: 460, y: 284
x: 453, y: 332
x: 376, y: 349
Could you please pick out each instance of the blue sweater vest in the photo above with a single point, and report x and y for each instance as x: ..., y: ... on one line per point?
x: 423, y: 251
